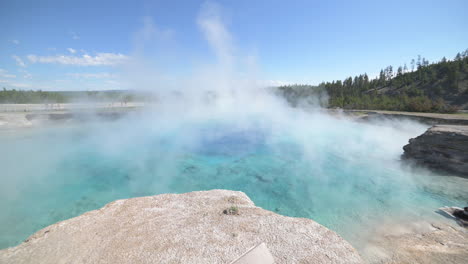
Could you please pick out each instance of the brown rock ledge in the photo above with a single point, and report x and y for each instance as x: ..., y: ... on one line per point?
x: 441, y: 147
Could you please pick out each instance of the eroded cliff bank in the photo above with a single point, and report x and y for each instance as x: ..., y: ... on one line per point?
x: 181, y: 228
x: 441, y: 147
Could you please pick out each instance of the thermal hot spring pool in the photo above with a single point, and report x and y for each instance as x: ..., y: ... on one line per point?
x: 343, y: 174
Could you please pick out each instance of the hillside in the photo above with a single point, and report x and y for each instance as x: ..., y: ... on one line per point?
x: 423, y: 87
x: 40, y: 97
x: 436, y: 87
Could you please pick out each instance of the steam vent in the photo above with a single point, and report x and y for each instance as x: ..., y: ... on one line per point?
x: 214, y: 226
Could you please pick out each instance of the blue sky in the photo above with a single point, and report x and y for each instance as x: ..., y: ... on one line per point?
x: 93, y: 45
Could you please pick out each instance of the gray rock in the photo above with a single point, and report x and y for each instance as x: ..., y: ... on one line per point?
x: 181, y: 228
x: 442, y: 147
x: 431, y: 243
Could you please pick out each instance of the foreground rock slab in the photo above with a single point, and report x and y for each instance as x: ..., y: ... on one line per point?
x: 181, y: 228
x: 442, y: 147
x: 431, y: 243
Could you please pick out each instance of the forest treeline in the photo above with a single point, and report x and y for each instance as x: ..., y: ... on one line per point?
x: 421, y: 87
x: 35, y: 97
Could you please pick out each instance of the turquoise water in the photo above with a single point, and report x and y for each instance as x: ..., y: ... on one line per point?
x: 345, y: 175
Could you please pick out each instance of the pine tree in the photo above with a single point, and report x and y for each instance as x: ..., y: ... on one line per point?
x: 399, y: 71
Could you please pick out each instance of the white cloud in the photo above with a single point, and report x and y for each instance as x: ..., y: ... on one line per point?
x: 113, y: 83
x: 14, y: 84
x: 270, y: 83
x: 27, y: 75
x: 15, y: 41
x: 101, y: 59
x: 151, y: 36
x: 72, y: 51
x: 19, y: 61
x: 5, y: 74
x: 101, y: 75
x: 74, y: 35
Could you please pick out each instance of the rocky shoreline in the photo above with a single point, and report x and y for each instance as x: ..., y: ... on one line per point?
x: 442, y: 147
x: 16, y: 120
x: 418, y: 242
x: 199, y: 227
x: 425, y: 118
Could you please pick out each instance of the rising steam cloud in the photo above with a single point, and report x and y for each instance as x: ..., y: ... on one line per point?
x: 299, y: 161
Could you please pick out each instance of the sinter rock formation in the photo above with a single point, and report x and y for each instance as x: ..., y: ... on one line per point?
x: 181, y: 228
x: 442, y: 147
x: 418, y: 242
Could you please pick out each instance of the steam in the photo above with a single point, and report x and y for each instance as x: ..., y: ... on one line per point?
x: 318, y: 164
x: 187, y: 85
x: 220, y: 40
